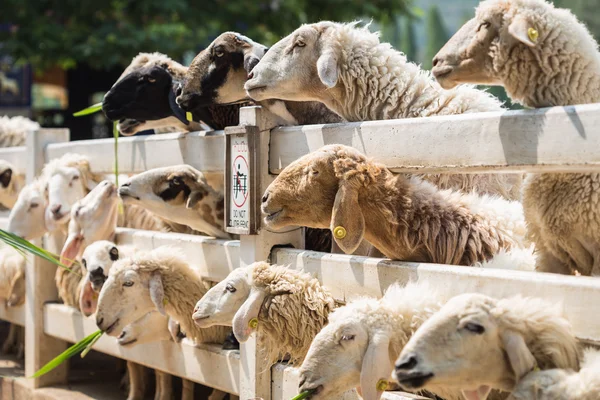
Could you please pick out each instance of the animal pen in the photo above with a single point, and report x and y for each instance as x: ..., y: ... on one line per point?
x: 559, y: 139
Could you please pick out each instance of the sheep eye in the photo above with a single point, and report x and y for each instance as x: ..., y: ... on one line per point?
x: 475, y: 328
x: 151, y: 80
x: 176, y: 182
x: 128, y: 284
x: 484, y: 25
x: 314, y: 172
x: 84, y: 263
x: 34, y: 205
x: 75, y: 177
x: 219, y: 51
x: 114, y: 254
x: 347, y: 338
x: 300, y: 43
x: 230, y: 288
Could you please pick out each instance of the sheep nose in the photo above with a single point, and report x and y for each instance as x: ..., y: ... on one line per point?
x: 178, y: 90
x: 265, y: 197
x: 99, y: 321
x: 302, y: 382
x: 266, y: 49
x: 406, y: 363
x: 55, y: 209
x: 251, y: 75
x: 126, y: 184
x: 436, y: 60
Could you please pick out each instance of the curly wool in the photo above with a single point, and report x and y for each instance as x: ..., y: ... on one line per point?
x: 562, y: 384
x: 294, y: 311
x: 73, y: 160
x: 13, y: 130
x: 182, y: 287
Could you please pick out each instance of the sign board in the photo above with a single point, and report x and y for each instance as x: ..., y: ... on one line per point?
x: 241, y: 180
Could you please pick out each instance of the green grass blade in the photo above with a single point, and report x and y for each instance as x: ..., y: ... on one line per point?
x: 90, y: 110
x: 303, y: 395
x: 22, y: 245
x: 83, y: 344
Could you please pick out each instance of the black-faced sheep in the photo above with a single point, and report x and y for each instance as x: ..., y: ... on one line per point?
x: 405, y: 218
x: 475, y: 343
x: 147, y: 90
x: 288, y: 307
x: 350, y: 71
x: 218, y: 73
x: 543, y: 57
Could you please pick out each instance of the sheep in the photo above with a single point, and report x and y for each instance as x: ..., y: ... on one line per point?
x: 358, y: 346
x: 26, y: 218
x: 476, y: 343
x: 218, y: 73
x: 67, y: 179
x: 290, y: 307
x: 157, y: 280
x: 8, y: 85
x: 13, y: 130
x: 155, y: 76
x: 359, y: 78
x: 11, y: 184
x: 12, y: 276
x: 403, y: 217
x: 543, y: 57
x: 560, y: 384
x: 181, y: 194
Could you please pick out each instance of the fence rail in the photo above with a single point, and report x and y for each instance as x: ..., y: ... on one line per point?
x: 557, y: 139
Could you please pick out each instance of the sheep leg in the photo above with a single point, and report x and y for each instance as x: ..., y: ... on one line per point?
x: 217, y: 395
x: 164, y: 386
x: 136, y: 381
x: 11, y: 340
x: 20, y: 342
x: 187, y: 390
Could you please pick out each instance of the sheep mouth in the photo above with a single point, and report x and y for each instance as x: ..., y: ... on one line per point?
x: 129, y: 342
x: 270, y: 217
x: 111, y: 327
x: 201, y: 320
x: 413, y: 380
x: 442, y: 72
x: 124, y: 193
x: 314, y: 392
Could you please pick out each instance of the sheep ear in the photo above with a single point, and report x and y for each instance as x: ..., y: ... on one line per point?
x: 347, y: 220
x: 376, y: 367
x: 523, y: 31
x: 519, y: 356
x: 195, y: 197
x: 327, y: 69
x: 71, y: 250
x: 157, y: 293
x: 88, y: 299
x: 177, y: 111
x: 241, y: 323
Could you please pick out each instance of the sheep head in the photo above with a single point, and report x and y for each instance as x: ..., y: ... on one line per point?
x: 222, y: 302
x: 498, y: 26
x: 302, y: 66
x: 350, y: 351
x: 218, y: 73
x: 10, y: 184
x: 97, y: 259
x: 180, y: 194
x: 475, y: 343
x: 151, y: 76
x: 26, y: 218
x: 152, y: 327
x: 92, y: 218
x: 321, y: 190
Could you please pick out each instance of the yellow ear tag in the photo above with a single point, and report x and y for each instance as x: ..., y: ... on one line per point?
x: 253, y: 323
x: 533, y: 34
x: 188, y: 116
x: 165, y: 302
x: 339, y: 232
x: 382, y: 385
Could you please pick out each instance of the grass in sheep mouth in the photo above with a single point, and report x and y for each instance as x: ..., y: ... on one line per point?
x: 303, y: 395
x: 90, y: 110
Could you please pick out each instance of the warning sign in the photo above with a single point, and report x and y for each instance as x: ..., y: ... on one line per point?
x: 240, y: 183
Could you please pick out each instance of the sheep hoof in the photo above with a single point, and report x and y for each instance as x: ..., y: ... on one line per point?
x: 231, y: 343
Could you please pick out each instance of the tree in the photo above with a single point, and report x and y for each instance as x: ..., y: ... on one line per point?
x: 107, y: 33
x: 437, y: 35
x: 408, y: 42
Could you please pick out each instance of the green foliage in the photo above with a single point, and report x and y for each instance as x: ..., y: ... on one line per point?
x: 437, y: 36
x: 108, y: 33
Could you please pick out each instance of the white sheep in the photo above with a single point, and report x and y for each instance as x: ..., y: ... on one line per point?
x: 181, y: 194
x: 26, y: 218
x: 13, y: 130
x: 405, y: 218
x: 158, y: 280
x: 543, y: 56
x: 353, y: 74
x: 560, y: 384
x: 203, y: 85
x: 358, y: 346
x: 475, y: 343
x: 290, y: 308
x: 11, y: 183
x: 12, y: 276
